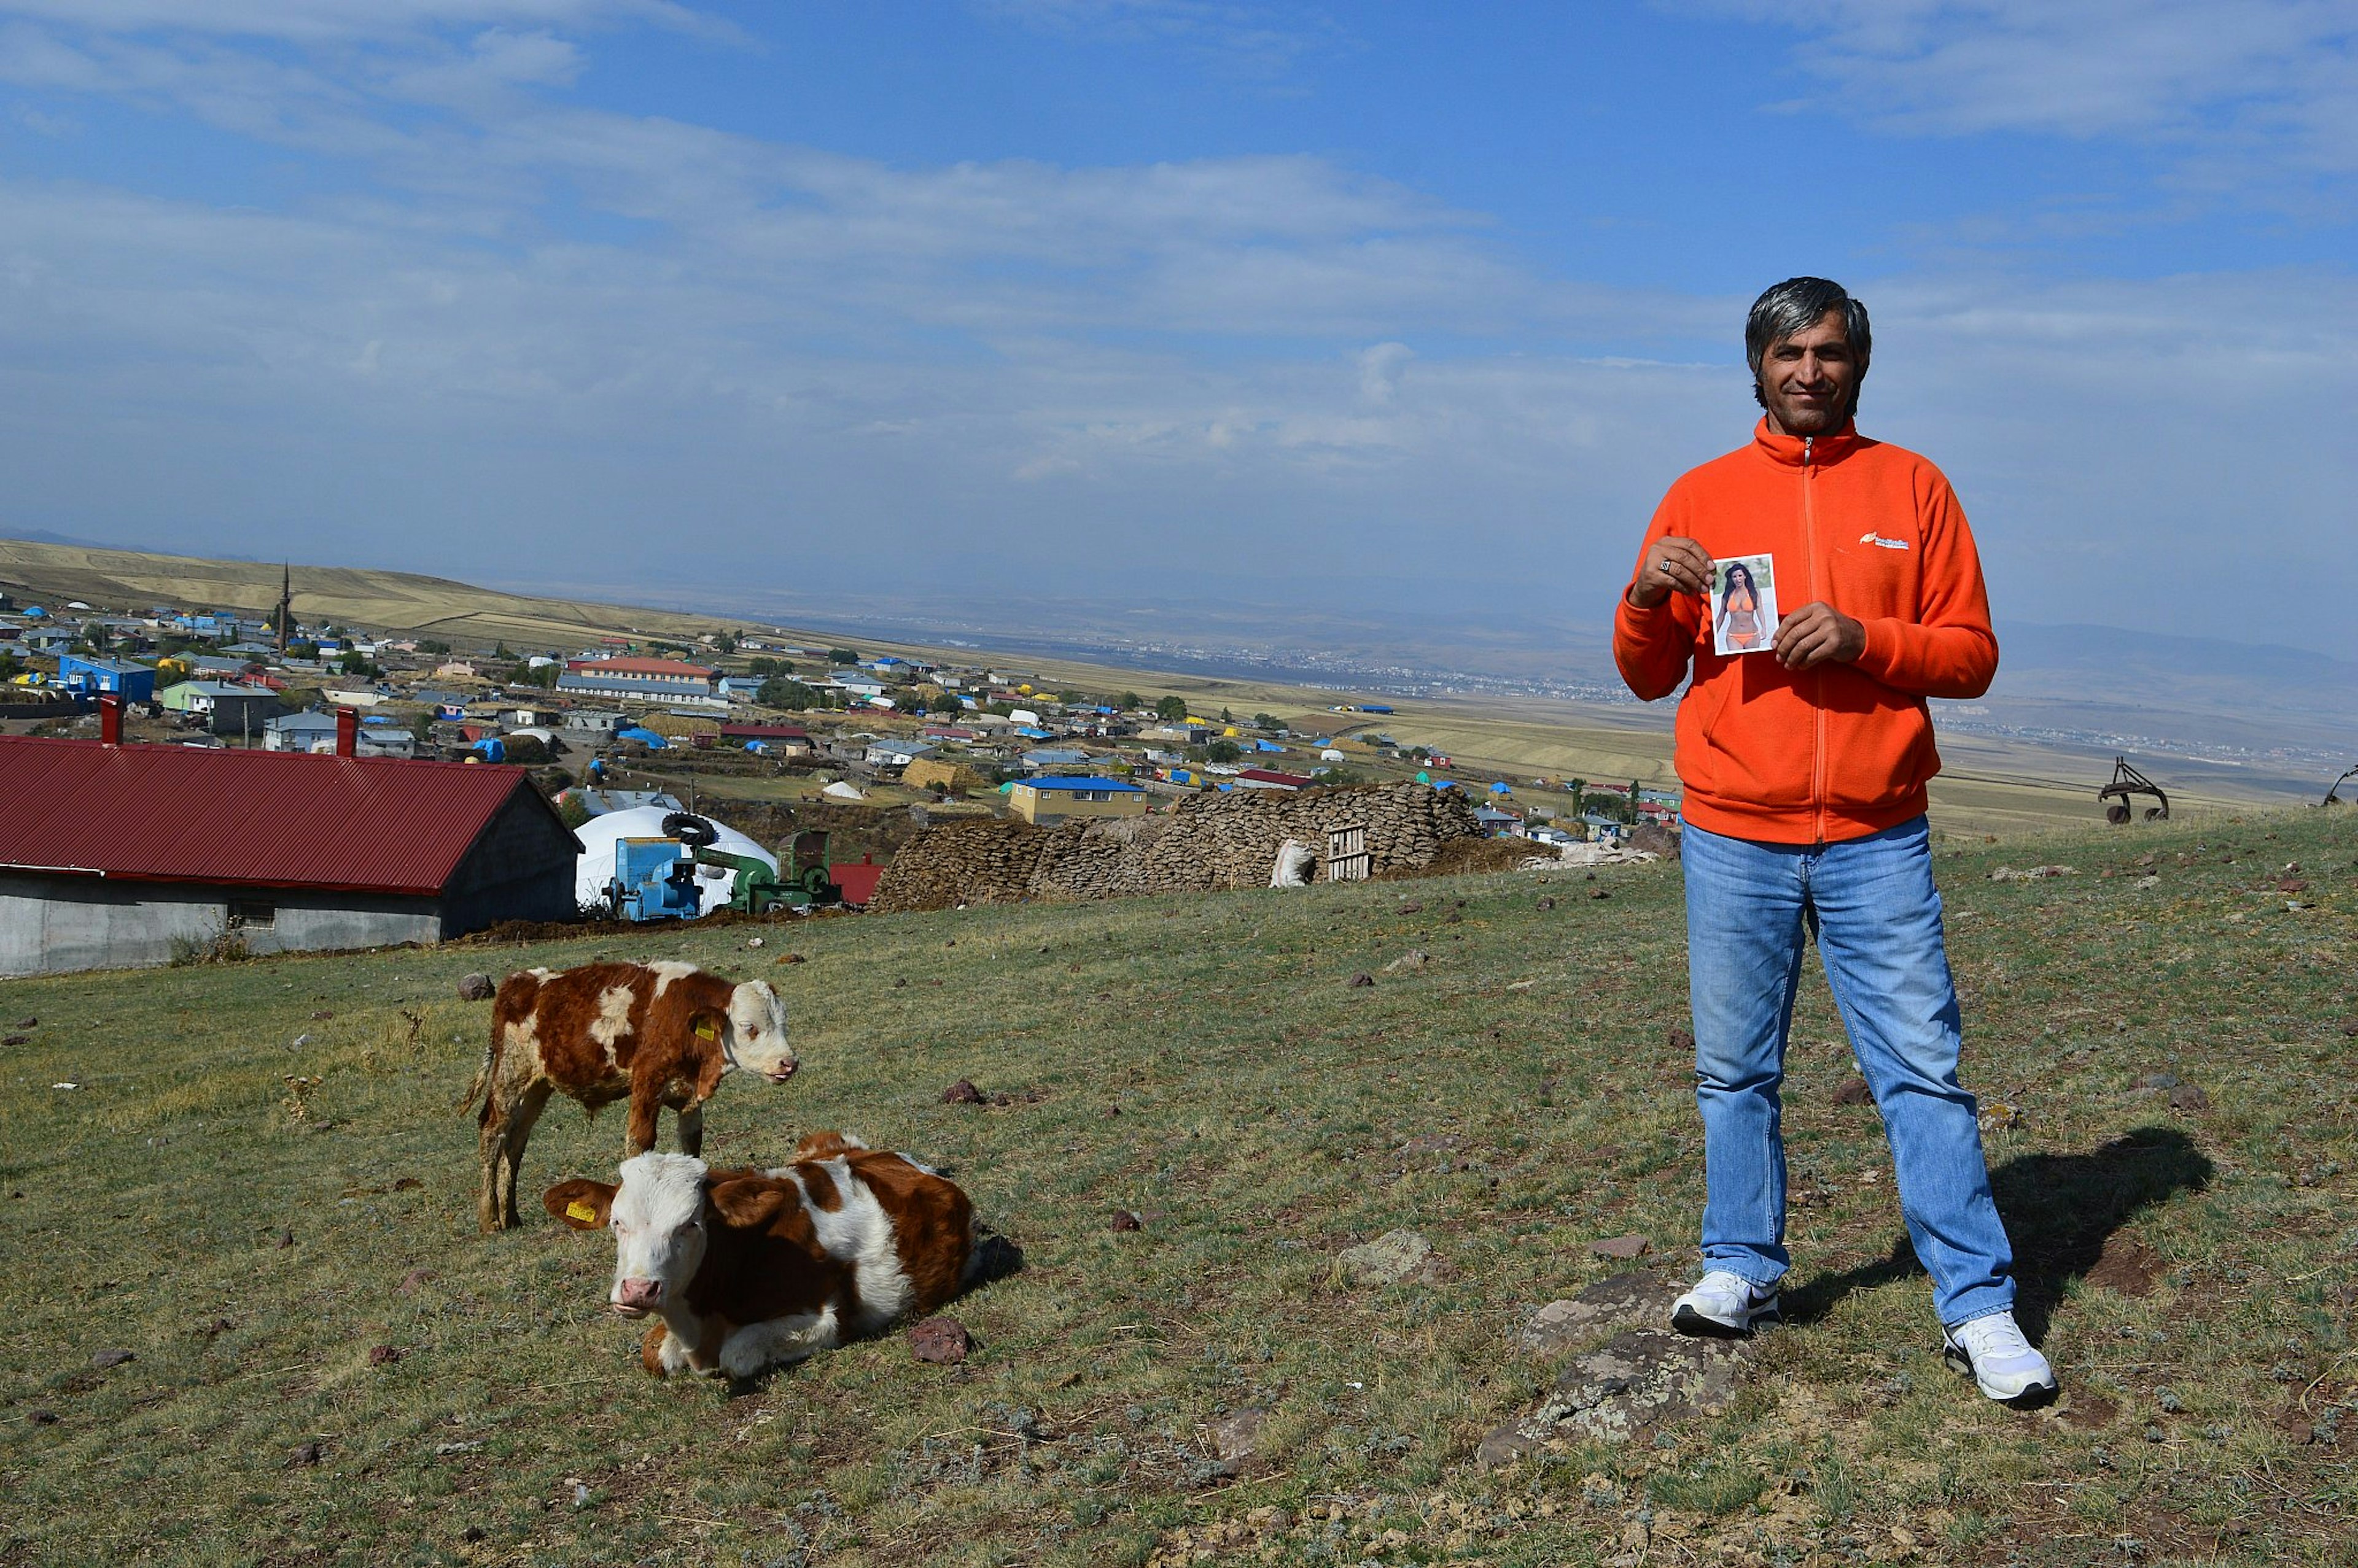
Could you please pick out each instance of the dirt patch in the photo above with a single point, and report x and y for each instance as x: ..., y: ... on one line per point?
x: 2084, y: 1410
x: 1464, y: 857
x: 2127, y: 1266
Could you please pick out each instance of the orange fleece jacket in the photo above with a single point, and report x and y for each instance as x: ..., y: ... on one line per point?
x: 1843, y: 750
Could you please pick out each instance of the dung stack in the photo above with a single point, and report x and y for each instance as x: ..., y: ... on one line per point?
x: 1209, y: 841
x: 954, y: 862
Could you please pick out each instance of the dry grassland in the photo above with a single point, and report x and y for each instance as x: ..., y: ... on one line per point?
x: 330, y: 1367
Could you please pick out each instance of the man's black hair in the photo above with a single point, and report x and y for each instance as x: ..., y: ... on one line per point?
x: 1796, y: 304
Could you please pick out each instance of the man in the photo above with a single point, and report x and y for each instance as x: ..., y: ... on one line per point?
x: 1804, y: 764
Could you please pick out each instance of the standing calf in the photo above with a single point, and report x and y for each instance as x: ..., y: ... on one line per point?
x: 661, y: 1033
x: 745, y: 1270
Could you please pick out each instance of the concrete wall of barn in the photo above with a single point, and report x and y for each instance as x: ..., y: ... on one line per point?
x: 49, y: 925
x: 520, y: 869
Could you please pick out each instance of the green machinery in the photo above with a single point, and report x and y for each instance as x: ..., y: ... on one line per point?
x: 801, y: 883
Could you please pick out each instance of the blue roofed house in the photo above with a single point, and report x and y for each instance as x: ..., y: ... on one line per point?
x: 133, y: 683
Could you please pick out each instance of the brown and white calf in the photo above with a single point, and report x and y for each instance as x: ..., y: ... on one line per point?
x: 745, y: 1270
x: 662, y: 1034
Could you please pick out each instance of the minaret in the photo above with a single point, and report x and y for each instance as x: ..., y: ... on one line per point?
x: 286, y: 605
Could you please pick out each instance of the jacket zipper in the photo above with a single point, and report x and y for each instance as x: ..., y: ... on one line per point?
x: 1817, y: 676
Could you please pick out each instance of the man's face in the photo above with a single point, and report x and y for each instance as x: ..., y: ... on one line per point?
x: 1809, y: 381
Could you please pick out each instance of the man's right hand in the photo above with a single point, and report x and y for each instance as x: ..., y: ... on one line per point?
x: 1674, y: 565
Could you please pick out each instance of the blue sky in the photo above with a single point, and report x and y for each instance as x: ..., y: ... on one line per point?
x: 1401, y: 306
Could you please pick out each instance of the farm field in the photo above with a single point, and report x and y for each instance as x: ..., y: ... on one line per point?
x: 257, y: 1187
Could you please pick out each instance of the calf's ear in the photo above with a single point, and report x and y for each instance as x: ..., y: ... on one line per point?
x: 580, y: 1203
x: 745, y: 1205
x: 706, y: 1024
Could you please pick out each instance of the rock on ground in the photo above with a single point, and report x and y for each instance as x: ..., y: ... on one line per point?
x: 1235, y: 1435
x: 1627, y: 1371
x: 476, y: 988
x: 1638, y: 1380
x: 942, y: 1341
x: 1638, y: 1300
x: 1389, y: 1259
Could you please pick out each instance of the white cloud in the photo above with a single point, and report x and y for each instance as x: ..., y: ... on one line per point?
x: 1379, y: 370
x: 1251, y: 40
x: 2255, y: 83
x: 327, y: 21
x: 1227, y: 367
x: 496, y: 61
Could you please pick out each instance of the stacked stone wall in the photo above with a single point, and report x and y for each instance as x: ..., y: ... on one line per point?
x: 1208, y: 842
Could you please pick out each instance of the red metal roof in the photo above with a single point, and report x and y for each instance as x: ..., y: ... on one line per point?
x: 639, y: 667
x: 1270, y: 776
x: 269, y: 818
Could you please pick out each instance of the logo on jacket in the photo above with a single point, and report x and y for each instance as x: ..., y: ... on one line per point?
x: 1872, y: 537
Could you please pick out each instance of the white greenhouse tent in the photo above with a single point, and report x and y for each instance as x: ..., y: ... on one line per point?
x: 599, y: 836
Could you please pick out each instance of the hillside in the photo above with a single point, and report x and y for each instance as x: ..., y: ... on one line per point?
x: 2006, y: 787
x: 251, y: 1178
x: 381, y: 600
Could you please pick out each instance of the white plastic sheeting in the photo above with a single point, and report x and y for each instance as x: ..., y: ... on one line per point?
x: 599, y: 836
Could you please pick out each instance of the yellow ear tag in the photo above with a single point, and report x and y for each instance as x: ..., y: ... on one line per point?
x: 704, y: 1029
x: 581, y: 1211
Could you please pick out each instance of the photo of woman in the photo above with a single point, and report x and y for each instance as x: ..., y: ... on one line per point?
x: 1744, y: 605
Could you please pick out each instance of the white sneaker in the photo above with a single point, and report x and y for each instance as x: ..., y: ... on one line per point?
x: 2001, y: 1360
x: 1723, y: 1304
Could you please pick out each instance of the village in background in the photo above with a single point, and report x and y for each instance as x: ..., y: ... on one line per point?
x: 749, y: 768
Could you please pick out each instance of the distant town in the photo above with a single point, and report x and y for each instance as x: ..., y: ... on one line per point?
x: 804, y: 763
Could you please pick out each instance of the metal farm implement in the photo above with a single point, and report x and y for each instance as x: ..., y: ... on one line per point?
x: 2127, y: 782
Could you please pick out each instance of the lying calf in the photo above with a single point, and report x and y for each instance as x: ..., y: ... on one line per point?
x: 751, y: 1269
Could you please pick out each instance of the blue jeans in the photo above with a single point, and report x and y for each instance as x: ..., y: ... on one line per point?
x: 1877, y: 919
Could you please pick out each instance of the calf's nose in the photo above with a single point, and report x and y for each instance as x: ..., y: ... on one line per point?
x: 638, y: 1295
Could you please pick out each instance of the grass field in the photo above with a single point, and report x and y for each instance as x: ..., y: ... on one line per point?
x: 330, y: 1364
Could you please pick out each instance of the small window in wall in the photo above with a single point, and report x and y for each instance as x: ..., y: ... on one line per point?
x: 247, y: 913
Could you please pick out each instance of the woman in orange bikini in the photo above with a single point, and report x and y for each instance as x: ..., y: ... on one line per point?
x: 1739, y: 611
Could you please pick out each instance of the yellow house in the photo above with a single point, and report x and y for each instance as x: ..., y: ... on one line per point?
x: 1047, y: 801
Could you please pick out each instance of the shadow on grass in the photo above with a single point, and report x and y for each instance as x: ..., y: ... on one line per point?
x: 2060, y: 1211
x: 996, y: 1257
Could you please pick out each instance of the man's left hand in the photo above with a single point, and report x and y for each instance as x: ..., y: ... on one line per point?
x: 1817, y: 633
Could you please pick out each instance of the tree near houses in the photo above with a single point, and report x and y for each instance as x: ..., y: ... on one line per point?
x: 1171, y: 709
x: 792, y: 695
